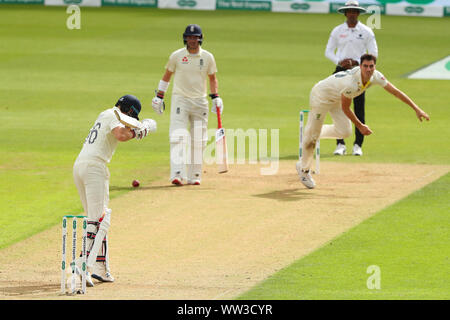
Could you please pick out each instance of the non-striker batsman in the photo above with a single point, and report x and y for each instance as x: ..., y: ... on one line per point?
x: 192, y: 67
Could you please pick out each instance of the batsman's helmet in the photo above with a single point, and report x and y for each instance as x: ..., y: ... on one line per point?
x: 193, y: 30
x: 130, y: 105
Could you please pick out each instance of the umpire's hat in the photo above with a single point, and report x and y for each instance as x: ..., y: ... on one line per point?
x: 351, y: 4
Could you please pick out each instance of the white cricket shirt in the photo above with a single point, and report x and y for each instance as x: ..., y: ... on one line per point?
x: 345, y: 43
x: 347, y: 83
x: 191, y: 72
x: 101, y: 143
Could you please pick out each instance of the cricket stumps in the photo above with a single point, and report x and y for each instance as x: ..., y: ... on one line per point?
x: 74, y: 269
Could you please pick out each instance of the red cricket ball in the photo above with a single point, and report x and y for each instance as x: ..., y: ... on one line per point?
x: 135, y: 183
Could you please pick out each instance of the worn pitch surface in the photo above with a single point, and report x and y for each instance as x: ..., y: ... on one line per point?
x: 216, y: 240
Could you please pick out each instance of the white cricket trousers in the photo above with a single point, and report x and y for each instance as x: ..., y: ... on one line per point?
x: 92, y: 181
x: 188, y: 136
x: 315, y: 129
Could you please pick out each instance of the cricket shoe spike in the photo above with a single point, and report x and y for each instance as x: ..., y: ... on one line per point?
x: 195, y: 182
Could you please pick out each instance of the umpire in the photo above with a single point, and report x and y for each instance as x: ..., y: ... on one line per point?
x: 347, y: 43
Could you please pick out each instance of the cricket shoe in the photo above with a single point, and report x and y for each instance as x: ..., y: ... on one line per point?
x: 340, y: 150
x: 307, y: 180
x: 177, y: 180
x: 100, y: 272
x: 357, y: 151
x: 89, y: 281
x: 195, y: 182
x: 105, y: 277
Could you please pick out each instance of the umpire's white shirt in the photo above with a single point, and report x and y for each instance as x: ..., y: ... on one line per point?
x: 191, y: 72
x: 101, y: 143
x: 350, y: 43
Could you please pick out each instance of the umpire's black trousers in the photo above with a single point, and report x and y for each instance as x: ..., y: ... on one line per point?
x: 358, y: 106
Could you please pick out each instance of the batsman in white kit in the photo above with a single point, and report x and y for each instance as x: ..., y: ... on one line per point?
x: 334, y: 95
x: 91, y: 176
x: 192, y: 68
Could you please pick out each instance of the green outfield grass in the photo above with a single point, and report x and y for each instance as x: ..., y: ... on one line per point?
x: 56, y: 81
x: 408, y: 244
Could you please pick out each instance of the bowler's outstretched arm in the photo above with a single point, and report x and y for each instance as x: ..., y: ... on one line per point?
x: 403, y: 97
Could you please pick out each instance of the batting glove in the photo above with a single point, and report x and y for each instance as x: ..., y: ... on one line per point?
x: 216, y: 103
x: 140, y: 133
x: 148, y: 125
x: 158, y: 103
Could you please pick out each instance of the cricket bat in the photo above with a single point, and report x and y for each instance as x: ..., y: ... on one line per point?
x: 221, y: 145
x: 127, y: 121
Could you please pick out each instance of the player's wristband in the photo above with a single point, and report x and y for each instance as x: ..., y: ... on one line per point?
x: 213, y: 96
x: 163, y: 86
